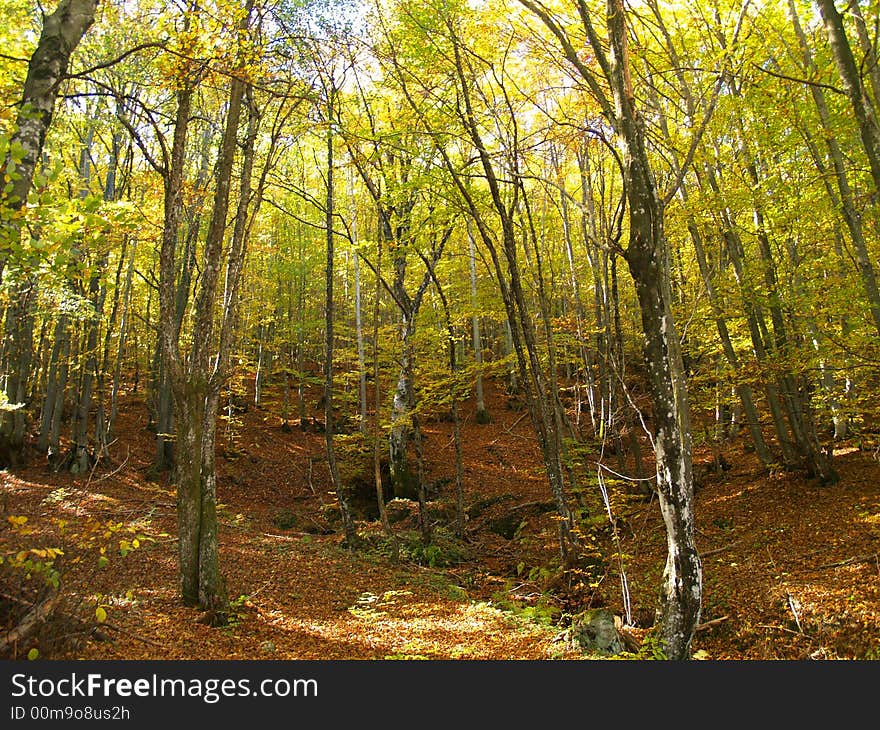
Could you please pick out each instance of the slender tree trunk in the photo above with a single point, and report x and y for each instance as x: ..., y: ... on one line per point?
x: 358, y: 308
x: 646, y: 256
x: 377, y: 462
x: 110, y: 193
x: 795, y: 395
x: 456, y: 421
x: 403, y: 480
x: 19, y: 329
x: 301, y: 330
x: 870, y: 63
x: 482, y: 414
x: 56, y: 383
x: 852, y: 85
x: 744, y: 390
x: 61, y: 33
x: 340, y: 489
x: 579, y: 313
x: 120, y: 347
x: 849, y: 210
x: 81, y: 457
x: 754, y: 316
x: 541, y: 409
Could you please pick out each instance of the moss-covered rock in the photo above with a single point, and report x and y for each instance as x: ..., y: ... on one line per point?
x: 594, y: 632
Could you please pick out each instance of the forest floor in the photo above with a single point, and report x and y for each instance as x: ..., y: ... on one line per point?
x: 791, y: 568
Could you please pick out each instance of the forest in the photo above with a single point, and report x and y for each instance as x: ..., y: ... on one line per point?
x: 440, y: 329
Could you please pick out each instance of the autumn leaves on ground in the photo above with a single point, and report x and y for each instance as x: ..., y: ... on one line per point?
x: 791, y: 568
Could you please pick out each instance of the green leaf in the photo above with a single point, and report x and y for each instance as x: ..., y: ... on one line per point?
x: 33, y: 654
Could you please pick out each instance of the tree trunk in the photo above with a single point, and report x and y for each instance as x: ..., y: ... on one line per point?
x: 482, y: 413
x: 56, y: 383
x: 744, y: 390
x: 849, y: 210
x: 61, y: 33
x: 754, y: 316
x: 403, y: 481
x: 18, y: 355
x: 358, y: 318
x: 646, y: 256
x: 120, y: 347
x: 852, y: 85
x: 81, y: 458
x: 340, y: 489
x: 187, y: 475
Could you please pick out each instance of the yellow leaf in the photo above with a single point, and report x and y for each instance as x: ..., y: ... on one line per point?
x: 100, y: 614
x: 33, y: 654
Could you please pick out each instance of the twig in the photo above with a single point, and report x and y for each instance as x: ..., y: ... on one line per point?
x: 509, y: 429
x: 311, y: 486
x: 849, y: 561
x: 709, y: 624
x: 624, y: 476
x: 15, y: 599
x: 290, y: 537
x: 793, y: 606
x: 783, y: 628
x: 114, y: 627
x: 117, y: 469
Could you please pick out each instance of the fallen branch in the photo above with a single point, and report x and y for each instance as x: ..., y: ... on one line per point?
x: 509, y: 429
x: 14, y: 599
x: 121, y: 630
x: 849, y: 561
x: 709, y: 624
x: 31, y: 621
x: 782, y: 628
x: 794, y: 605
x: 115, y: 471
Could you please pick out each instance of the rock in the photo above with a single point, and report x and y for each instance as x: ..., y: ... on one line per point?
x: 268, y: 647
x: 477, y: 508
x: 509, y: 524
x: 397, y: 510
x: 594, y: 632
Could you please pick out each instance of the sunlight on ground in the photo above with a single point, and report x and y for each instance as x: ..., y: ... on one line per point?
x: 402, y: 628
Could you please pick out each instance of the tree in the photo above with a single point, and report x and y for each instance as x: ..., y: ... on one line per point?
x: 61, y: 33
x: 647, y: 257
x: 862, y: 107
x: 197, y: 375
